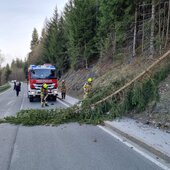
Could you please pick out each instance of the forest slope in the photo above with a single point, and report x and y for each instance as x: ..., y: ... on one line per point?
x: 106, y: 74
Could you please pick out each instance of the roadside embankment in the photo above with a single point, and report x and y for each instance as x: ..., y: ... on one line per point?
x: 4, y: 87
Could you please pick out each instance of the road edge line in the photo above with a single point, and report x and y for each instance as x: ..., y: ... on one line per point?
x: 164, y: 167
x: 5, y: 91
x: 139, y: 142
x: 64, y: 103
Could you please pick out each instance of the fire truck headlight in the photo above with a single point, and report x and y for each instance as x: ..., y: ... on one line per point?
x: 32, y: 92
x: 55, y: 91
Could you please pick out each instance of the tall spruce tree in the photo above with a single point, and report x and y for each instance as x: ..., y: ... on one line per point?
x: 114, y: 21
x: 54, y: 43
x: 35, y: 39
x: 81, y: 25
x: 64, y: 59
x: 50, y: 43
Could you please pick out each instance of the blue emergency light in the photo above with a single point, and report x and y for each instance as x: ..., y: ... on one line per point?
x: 47, y: 66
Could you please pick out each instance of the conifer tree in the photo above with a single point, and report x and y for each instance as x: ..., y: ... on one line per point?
x: 54, y: 43
x: 35, y: 39
x: 114, y: 20
x: 50, y: 44
x: 7, y: 72
x: 81, y: 25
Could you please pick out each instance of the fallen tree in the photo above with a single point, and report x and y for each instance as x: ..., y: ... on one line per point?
x: 135, y: 95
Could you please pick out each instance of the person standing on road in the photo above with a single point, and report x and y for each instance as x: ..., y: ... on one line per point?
x: 87, y: 87
x: 44, y: 95
x: 63, y: 89
x: 18, y: 88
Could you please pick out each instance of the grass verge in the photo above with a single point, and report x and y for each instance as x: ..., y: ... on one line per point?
x: 4, y: 87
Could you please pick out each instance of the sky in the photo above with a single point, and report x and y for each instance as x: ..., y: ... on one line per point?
x: 18, y: 18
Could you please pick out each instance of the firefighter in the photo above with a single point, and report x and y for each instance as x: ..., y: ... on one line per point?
x: 44, y: 95
x: 87, y: 87
x: 63, y: 90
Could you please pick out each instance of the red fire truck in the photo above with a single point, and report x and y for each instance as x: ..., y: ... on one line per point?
x: 39, y: 74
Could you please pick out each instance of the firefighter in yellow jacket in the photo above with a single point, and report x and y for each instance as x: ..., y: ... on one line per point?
x: 44, y: 95
x: 87, y: 87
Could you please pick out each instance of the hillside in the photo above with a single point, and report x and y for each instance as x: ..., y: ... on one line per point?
x: 157, y: 113
x: 104, y: 74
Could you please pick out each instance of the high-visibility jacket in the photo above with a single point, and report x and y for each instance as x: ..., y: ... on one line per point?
x: 44, y: 92
x: 87, y: 87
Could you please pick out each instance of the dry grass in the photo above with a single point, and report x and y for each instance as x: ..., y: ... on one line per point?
x: 105, y: 73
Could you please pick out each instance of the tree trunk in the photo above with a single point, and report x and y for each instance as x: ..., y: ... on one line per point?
x: 167, y: 29
x: 115, y: 42
x: 85, y: 57
x: 134, y: 33
x: 163, y: 29
x: 152, y: 29
x: 86, y: 64
x: 143, y: 28
x: 160, y: 47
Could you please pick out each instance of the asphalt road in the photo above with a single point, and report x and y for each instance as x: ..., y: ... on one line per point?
x: 66, y: 147
x: 10, y: 104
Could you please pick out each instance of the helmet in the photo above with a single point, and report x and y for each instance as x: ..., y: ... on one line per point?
x: 45, y: 86
x: 90, y: 80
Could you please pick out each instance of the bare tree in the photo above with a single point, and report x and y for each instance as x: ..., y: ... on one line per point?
x: 160, y: 47
x: 167, y: 29
x: 134, y: 33
x: 143, y: 27
x: 163, y: 29
x: 86, y: 59
x: 152, y: 29
x: 1, y: 59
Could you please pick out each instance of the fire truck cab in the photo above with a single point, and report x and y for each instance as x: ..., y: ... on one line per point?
x: 37, y: 76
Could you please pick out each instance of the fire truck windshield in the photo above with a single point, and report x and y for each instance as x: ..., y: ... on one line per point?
x: 43, y: 74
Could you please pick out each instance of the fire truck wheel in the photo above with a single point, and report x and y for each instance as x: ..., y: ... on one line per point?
x: 31, y: 99
x: 54, y: 98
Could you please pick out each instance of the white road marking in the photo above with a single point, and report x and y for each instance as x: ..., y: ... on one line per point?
x: 10, y: 102
x: 164, y: 167
x: 5, y: 91
x: 63, y: 103
x: 23, y: 100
